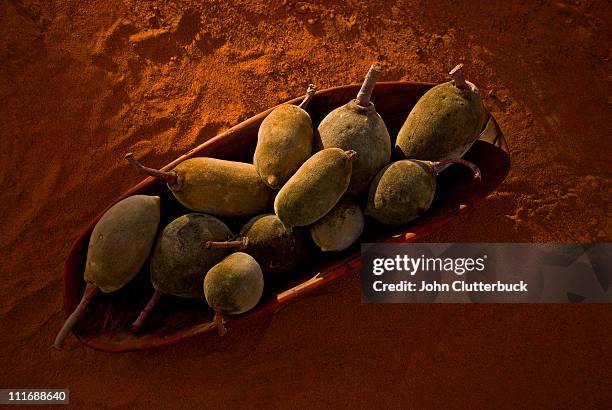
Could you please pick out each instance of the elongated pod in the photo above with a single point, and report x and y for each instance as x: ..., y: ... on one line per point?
x: 215, y: 186
x: 118, y: 247
x: 284, y: 142
x: 444, y: 123
x: 357, y: 126
x: 404, y: 190
x: 315, y: 188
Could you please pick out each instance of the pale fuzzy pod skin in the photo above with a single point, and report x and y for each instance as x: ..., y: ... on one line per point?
x: 284, y: 142
x: 180, y: 259
x: 276, y: 248
x: 401, y: 192
x: 221, y: 188
x: 444, y: 124
x: 235, y: 284
x: 121, y: 242
x: 340, y: 228
x: 314, y: 189
x: 353, y: 127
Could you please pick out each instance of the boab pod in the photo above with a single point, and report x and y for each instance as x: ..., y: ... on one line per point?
x: 118, y: 247
x: 357, y: 126
x: 233, y: 286
x: 214, y: 186
x: 275, y: 247
x: 179, y: 261
x: 444, y: 123
x: 284, y: 142
x: 404, y: 190
x: 315, y: 188
x: 340, y: 228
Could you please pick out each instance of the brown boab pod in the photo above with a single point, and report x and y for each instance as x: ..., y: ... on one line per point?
x: 118, y: 247
x: 404, y: 190
x: 214, y: 186
x: 284, y: 142
x: 340, y: 228
x: 275, y: 247
x: 179, y: 259
x: 357, y: 126
x: 315, y: 188
x: 444, y: 123
x: 233, y: 286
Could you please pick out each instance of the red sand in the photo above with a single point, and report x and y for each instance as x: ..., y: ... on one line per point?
x: 78, y: 92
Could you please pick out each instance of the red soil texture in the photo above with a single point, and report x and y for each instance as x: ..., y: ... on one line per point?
x: 81, y: 83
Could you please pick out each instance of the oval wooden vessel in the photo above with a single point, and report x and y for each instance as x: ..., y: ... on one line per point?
x: 105, y: 325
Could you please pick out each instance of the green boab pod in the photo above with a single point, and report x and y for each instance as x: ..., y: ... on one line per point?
x: 214, y: 186
x: 404, y: 190
x: 284, y: 142
x: 340, y: 228
x: 315, y: 188
x: 444, y: 123
x: 276, y: 248
x: 233, y: 286
x: 357, y: 126
x: 118, y: 247
x: 179, y: 259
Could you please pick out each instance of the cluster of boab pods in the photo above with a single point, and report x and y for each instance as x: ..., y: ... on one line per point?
x: 324, y: 182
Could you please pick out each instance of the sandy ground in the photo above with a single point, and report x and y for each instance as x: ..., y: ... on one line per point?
x: 81, y: 83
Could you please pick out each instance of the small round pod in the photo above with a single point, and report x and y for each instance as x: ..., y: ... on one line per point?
x: 179, y: 259
x: 404, y: 190
x: 357, y: 126
x: 315, y: 188
x: 444, y: 123
x: 276, y: 248
x: 118, y: 247
x: 233, y: 286
x: 284, y: 142
x: 340, y: 228
x: 214, y: 186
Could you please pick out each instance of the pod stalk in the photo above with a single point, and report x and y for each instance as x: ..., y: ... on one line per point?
x: 90, y: 291
x: 438, y: 165
x: 351, y: 154
x: 168, y: 177
x: 237, y: 244
x: 457, y: 74
x: 218, y: 321
x: 365, y: 93
x: 310, y: 92
x: 144, y: 313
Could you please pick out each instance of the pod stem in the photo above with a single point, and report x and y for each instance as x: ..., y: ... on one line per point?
x: 351, y: 154
x: 218, y: 321
x: 457, y: 74
x: 90, y: 291
x: 439, y: 164
x: 365, y: 93
x: 237, y: 244
x: 168, y: 177
x: 310, y: 92
x: 144, y: 313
